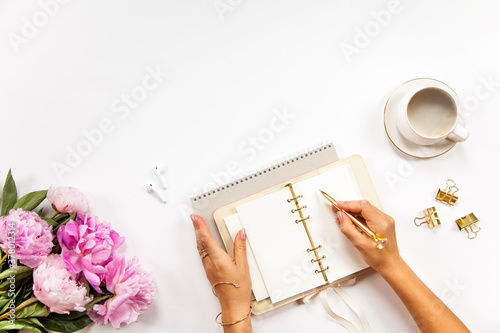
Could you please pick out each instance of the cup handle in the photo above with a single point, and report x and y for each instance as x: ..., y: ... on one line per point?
x: 459, y: 134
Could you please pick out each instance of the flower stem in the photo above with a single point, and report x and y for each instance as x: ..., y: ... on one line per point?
x: 3, y: 259
x: 54, y: 215
x: 22, y: 305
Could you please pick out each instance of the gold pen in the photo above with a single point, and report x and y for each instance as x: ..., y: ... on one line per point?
x: 381, y: 241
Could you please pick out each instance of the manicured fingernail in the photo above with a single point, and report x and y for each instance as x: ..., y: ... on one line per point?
x: 243, y: 234
x: 194, y: 218
x: 339, y: 217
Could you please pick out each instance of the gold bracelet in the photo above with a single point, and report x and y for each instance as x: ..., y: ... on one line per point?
x: 217, y: 283
x: 234, y: 322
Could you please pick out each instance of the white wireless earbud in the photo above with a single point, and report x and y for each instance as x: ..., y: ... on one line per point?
x: 152, y: 190
x: 161, y: 173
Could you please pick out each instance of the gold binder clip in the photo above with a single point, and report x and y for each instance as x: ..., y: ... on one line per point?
x: 448, y: 194
x: 430, y: 216
x: 468, y: 222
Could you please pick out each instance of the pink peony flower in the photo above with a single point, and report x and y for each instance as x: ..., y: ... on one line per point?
x: 68, y: 200
x: 31, y: 235
x: 88, y: 245
x: 133, y: 291
x: 55, y: 286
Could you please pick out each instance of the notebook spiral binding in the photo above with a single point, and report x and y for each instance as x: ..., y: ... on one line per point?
x: 280, y: 163
x: 303, y: 220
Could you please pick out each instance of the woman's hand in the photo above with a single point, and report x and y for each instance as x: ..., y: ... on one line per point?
x: 380, y: 223
x: 220, y: 267
x: 428, y: 311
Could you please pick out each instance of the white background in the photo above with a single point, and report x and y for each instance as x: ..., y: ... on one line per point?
x: 230, y: 70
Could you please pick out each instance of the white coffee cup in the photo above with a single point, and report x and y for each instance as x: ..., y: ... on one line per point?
x: 428, y: 115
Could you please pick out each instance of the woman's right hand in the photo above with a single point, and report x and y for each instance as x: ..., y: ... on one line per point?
x: 428, y: 311
x: 382, y: 260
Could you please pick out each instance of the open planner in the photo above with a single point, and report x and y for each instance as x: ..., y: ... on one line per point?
x: 294, y: 245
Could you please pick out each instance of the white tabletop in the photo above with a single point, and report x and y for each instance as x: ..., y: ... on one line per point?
x: 96, y: 94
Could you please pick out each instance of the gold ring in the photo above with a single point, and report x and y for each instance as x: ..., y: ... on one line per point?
x: 204, y: 256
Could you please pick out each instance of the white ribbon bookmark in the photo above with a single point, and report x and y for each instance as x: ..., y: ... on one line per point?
x: 352, y: 305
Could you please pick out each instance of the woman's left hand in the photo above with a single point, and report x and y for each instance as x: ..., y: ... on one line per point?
x: 220, y: 267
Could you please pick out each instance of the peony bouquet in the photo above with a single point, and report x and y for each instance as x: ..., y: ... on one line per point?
x: 63, y: 272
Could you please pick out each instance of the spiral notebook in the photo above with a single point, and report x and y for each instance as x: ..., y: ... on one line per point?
x: 312, y: 158
x: 294, y: 245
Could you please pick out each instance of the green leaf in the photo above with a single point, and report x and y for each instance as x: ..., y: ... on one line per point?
x: 69, y: 218
x: 29, y: 292
x: 61, y: 217
x: 50, y: 222
x: 9, y: 194
x: 36, y: 309
x: 6, y: 307
x: 98, y: 299
x: 57, y: 248
x: 70, y: 316
x: 70, y: 323
x: 35, y: 321
x: 72, y: 217
x: 20, y: 295
x: 15, y: 271
x: 87, y: 286
x: 31, y: 200
x: 4, y: 301
x: 21, y: 325
x: 23, y: 278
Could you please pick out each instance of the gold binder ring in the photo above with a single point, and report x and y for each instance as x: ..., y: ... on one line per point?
x: 319, y: 259
x: 303, y: 220
x: 300, y: 208
x: 294, y: 198
x: 314, y: 248
x: 322, y: 270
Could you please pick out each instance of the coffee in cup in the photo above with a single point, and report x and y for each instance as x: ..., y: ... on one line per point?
x: 429, y: 115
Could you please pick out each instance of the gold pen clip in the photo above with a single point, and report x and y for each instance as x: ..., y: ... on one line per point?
x: 381, y: 242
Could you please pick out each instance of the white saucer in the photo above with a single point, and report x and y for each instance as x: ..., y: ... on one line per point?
x: 391, y: 128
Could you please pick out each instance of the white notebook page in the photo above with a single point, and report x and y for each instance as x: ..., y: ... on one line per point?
x: 279, y: 244
x: 234, y: 225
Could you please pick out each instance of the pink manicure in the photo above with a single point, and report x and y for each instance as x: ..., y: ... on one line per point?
x: 339, y: 215
x: 194, y: 218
